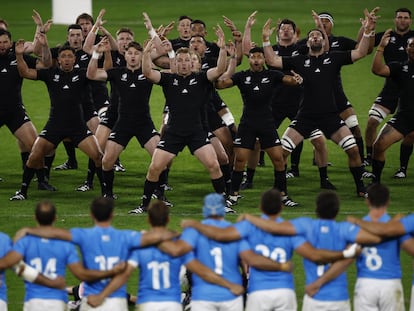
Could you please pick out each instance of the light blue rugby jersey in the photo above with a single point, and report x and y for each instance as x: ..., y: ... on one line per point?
x: 381, y: 261
x: 50, y: 257
x: 159, y: 274
x: 5, y: 247
x: 408, y: 223
x: 222, y: 258
x: 276, y: 247
x: 102, y: 248
x: 330, y: 235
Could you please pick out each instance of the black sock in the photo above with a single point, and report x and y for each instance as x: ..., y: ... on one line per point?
x: 280, y: 181
x: 24, y: 156
x: 108, y: 177
x: 99, y: 173
x: 91, y: 172
x: 70, y: 151
x: 360, y: 144
x: 323, y: 173
x: 377, y: 167
x: 48, y: 164
x: 225, y: 169
x: 369, y: 152
x: 250, y: 175
x: 405, y: 154
x: 28, y: 174
x: 295, y: 157
x: 357, y: 175
x: 149, y: 188
x: 219, y: 185
x: 236, y: 180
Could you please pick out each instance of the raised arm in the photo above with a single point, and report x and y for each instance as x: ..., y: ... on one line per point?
x: 149, y: 73
x: 378, y: 67
x: 362, y: 29
x: 364, y: 43
x: 214, y: 73
x: 319, y: 26
x: 271, y: 58
x: 24, y: 70
x: 209, y: 276
x: 225, y: 80
x: 227, y: 234
x: 91, y: 37
x: 93, y: 72
x: 247, y: 43
x: 35, y: 47
x: 237, y: 38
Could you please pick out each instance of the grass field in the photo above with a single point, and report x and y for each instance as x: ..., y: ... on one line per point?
x: 189, y: 179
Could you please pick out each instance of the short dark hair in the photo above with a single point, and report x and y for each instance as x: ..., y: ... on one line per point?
x: 3, y: 21
x: 45, y: 213
x: 66, y: 47
x: 198, y: 21
x: 378, y: 195
x: 84, y: 16
x: 184, y: 17
x: 74, y: 26
x: 287, y: 21
x: 271, y: 202
x: 158, y: 213
x: 256, y: 49
x: 198, y: 36
x: 405, y: 10
x: 327, y: 205
x: 134, y: 45
x: 102, y: 208
x: 5, y: 32
x: 125, y: 29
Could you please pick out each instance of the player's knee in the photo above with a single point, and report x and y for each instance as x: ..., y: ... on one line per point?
x: 377, y: 114
x: 352, y: 121
x: 288, y: 144
x: 348, y: 143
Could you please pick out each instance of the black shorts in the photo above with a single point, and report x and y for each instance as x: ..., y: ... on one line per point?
x: 247, y: 135
x: 173, y: 143
x: 280, y: 113
x: 214, y: 120
x: 342, y: 102
x: 122, y: 133
x: 402, y: 123
x: 56, y: 133
x: 389, y: 96
x: 328, y: 123
x: 88, y: 111
x: 109, y: 117
x: 14, y: 119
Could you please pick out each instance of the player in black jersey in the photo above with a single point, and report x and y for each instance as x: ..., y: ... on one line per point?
x: 66, y: 86
x: 12, y: 111
x: 318, y: 109
x: 185, y: 94
x: 256, y: 86
x: 285, y: 104
x: 134, y: 119
x: 387, y: 101
x: 184, y: 33
x: 402, y: 123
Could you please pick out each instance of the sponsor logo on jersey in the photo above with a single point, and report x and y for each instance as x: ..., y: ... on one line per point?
x: 175, y: 82
x: 401, y: 48
x: 184, y: 91
x: 256, y: 88
x: 56, y: 78
x: 307, y: 63
x: 76, y: 66
x: 4, y: 70
x: 65, y: 87
x: 248, y: 80
x: 324, y: 229
x: 405, y: 68
x: 392, y: 39
x: 124, y: 77
x: 132, y: 85
x: 106, y: 238
x: 75, y: 78
x: 317, y: 70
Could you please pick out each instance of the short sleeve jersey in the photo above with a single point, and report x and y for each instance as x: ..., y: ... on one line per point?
x: 11, y: 82
x: 186, y: 99
x: 381, y: 261
x: 134, y: 94
x: 222, y: 258
x: 103, y: 248
x: 330, y: 235
x: 159, y: 274
x: 276, y: 247
x: 5, y: 247
x: 257, y: 89
x: 319, y: 80
x: 50, y: 257
x: 66, y: 90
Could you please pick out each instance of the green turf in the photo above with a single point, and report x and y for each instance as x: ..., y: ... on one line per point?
x: 188, y: 177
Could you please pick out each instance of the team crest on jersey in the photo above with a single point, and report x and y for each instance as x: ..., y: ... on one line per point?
x: 265, y: 80
x: 106, y: 238
x: 324, y: 229
x: 84, y: 57
x: 112, y: 135
x: 205, y: 66
x: 124, y: 77
x: 237, y: 141
x: 307, y: 63
x: 75, y: 78
x: 335, y: 44
x: 192, y: 82
x: 161, y: 144
x: 327, y: 61
x: 248, y: 80
x: 295, y: 53
x: 13, y: 63
x: 175, y: 82
x: 405, y: 68
x: 56, y: 78
x: 392, y: 39
x: 141, y: 77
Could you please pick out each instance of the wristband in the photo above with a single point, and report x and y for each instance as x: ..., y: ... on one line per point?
x: 351, y: 251
x: 171, y: 54
x: 26, y: 272
x: 228, y: 118
x: 371, y: 34
x: 95, y: 55
x: 152, y: 33
x: 266, y: 43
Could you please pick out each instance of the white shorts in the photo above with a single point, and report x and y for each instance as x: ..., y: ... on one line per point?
x: 376, y: 294
x: 159, y: 306
x: 44, y: 304
x: 229, y: 305
x: 310, y: 304
x: 272, y: 299
x: 3, y: 305
x: 110, y: 304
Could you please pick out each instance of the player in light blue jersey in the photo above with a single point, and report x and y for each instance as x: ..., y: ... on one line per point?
x: 322, y: 233
x: 50, y: 257
x: 268, y: 290
x: 159, y: 273
x: 5, y: 247
x: 103, y: 247
x: 223, y: 258
x: 389, y: 228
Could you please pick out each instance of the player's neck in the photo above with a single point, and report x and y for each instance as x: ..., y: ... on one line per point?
x: 286, y: 42
x: 376, y: 213
x: 401, y: 33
